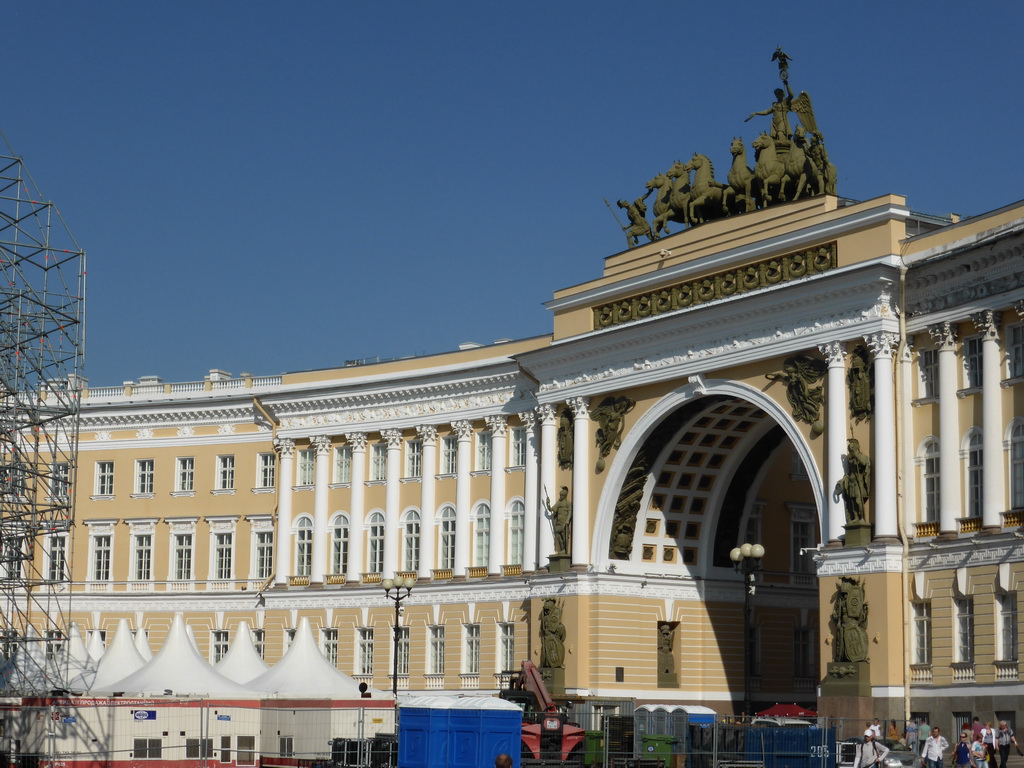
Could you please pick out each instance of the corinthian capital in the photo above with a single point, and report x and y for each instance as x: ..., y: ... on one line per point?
x: 987, y: 323
x: 284, y: 446
x: 427, y: 433
x: 322, y: 444
x: 547, y: 413
x: 834, y: 352
x: 357, y: 440
x: 944, y: 335
x: 882, y: 344
x: 393, y: 437
x: 497, y: 424
x: 579, y: 407
x: 463, y: 428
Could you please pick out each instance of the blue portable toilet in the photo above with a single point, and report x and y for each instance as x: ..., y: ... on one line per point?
x: 458, y: 732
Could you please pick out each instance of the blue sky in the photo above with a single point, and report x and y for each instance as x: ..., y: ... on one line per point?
x: 275, y: 187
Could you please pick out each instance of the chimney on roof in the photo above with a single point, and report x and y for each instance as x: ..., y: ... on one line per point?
x: 216, y: 374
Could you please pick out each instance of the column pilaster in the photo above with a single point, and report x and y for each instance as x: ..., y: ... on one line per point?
x: 993, y: 500
x: 357, y: 513
x: 322, y: 446
x: 580, y: 480
x: 496, y: 556
x: 428, y: 434
x: 835, y: 403
x: 945, y: 337
x: 286, y: 470
x: 883, y: 346
x: 392, y: 537
x: 530, y: 497
x: 547, y: 413
x: 463, y: 516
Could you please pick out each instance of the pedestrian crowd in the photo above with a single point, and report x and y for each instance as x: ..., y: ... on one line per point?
x: 980, y: 746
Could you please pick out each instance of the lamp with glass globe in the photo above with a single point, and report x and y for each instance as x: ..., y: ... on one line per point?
x: 397, y: 584
x: 747, y: 560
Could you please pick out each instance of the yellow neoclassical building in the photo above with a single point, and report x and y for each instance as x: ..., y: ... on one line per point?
x: 841, y: 383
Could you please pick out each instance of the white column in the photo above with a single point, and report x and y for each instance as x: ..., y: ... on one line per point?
x: 392, y: 534
x: 883, y: 462
x: 356, y: 534
x: 499, y: 458
x: 322, y: 444
x: 463, y: 518
x: 580, y: 481
x: 993, y: 500
x: 286, y: 451
x: 428, y: 434
x: 944, y: 335
x: 835, y: 425
x: 529, y: 420
x: 548, y: 464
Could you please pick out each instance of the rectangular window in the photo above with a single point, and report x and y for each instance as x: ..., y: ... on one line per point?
x: 414, y: 458
x: 266, y: 464
x: 104, y: 478
x: 802, y: 542
x: 471, y: 658
x: 143, y: 555
x: 1015, y: 350
x: 922, y: 618
x: 450, y: 455
x: 928, y: 368
x: 225, y: 749
x: 306, y: 467
x: 803, y: 652
x: 258, y: 640
x: 343, y: 464
x: 436, y: 650
x: 287, y: 746
x: 54, y: 644
x: 484, y: 442
x: 403, y: 650
x: 225, y: 473
x: 972, y: 362
x: 507, y: 652
x: 1007, y: 627
x: 264, y: 554
x: 364, y: 657
x: 61, y: 480
x: 147, y: 749
x: 182, y: 557
x: 218, y: 645
x: 57, y: 551
x: 246, y: 752
x: 144, y: 476
x: 379, y: 461
x: 964, y: 630
x: 329, y: 645
x: 223, y: 547
x: 101, y: 558
x: 185, y: 479
x: 517, y: 444
x: 198, y: 749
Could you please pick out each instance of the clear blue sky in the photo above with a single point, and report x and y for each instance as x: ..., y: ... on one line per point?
x: 282, y: 186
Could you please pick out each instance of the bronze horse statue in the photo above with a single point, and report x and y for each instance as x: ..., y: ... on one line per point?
x: 769, y: 169
x: 744, y: 187
x: 664, y: 210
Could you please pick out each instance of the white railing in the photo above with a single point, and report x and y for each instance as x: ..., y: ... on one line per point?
x: 187, y: 386
x: 1007, y: 671
x: 470, y: 682
x: 963, y: 672
x: 921, y: 673
x: 434, y: 682
x: 179, y: 388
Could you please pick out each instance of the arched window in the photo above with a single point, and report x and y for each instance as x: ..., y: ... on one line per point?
x: 339, y: 544
x: 482, y: 535
x: 517, y: 522
x: 446, y: 541
x: 303, y: 546
x: 375, y: 555
x: 411, y: 541
x: 1017, y: 466
x: 974, y: 473
x: 931, y: 480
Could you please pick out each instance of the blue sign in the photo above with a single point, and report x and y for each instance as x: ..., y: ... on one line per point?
x: 71, y: 719
x: 144, y: 714
x: 223, y: 717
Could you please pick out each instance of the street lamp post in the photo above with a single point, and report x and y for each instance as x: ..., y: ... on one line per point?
x: 397, y: 584
x: 747, y: 560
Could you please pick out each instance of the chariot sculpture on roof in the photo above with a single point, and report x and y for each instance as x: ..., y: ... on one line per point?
x: 791, y: 163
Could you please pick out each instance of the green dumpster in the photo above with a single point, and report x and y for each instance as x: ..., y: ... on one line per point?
x: 655, y: 746
x: 593, y: 748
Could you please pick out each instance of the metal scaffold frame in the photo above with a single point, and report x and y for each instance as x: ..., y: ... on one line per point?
x: 42, y: 300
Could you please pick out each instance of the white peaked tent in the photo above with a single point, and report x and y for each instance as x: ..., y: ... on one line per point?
x: 242, y: 662
x: 305, y: 672
x: 177, y: 668
x: 192, y: 637
x: 120, y: 660
x: 28, y: 670
x: 95, y: 645
x: 75, y: 660
x: 142, y: 644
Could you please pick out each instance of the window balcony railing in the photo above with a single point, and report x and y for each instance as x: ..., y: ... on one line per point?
x: 921, y: 673
x: 371, y: 578
x: 477, y: 572
x: 298, y: 581
x: 403, y: 681
x: 408, y: 575
x: 970, y: 524
x: 1013, y: 519
x: 963, y: 672
x: 803, y: 684
x: 926, y: 530
x: 334, y: 579
x: 434, y: 682
x: 512, y: 570
x: 470, y: 682
x: 1007, y: 671
x: 442, y: 574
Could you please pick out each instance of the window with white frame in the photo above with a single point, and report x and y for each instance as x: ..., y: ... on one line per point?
x: 516, y: 530
x: 411, y: 541
x: 60, y: 480
x: 259, y: 638
x: 972, y: 362
x: 403, y: 650
x: 303, y: 546
x: 964, y: 610
x: 1007, y: 650
x: 922, y: 632
x: 802, y: 533
x: 142, y: 554
x: 435, y: 662
x: 181, y: 556
x: 928, y: 372
x: 930, y: 480
x: 1015, y: 350
x: 482, y: 535
x: 54, y: 644
x: 343, y: 464
x: 471, y: 657
x: 225, y: 473
x: 517, y: 447
x: 803, y: 652
x: 974, y: 474
x: 144, y: 476
x: 1017, y: 466
x: 507, y: 650
x: 446, y: 541
x: 264, y: 544
x: 414, y: 458
x: 266, y: 465
x: 57, y: 551
x: 329, y: 645
x: 223, y: 549
x: 449, y: 455
x: 100, y: 561
x: 339, y: 544
x: 289, y: 638
x: 484, y: 456
x: 104, y: 478
x: 375, y: 555
x: 218, y: 645
x: 185, y: 474
x: 305, y: 467
x: 379, y: 462
x: 364, y: 651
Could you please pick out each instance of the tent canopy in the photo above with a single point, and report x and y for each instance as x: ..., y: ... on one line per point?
x: 787, y: 710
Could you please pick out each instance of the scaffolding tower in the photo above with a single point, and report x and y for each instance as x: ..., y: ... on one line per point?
x: 42, y: 300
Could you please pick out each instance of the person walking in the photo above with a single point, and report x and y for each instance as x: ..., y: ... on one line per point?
x: 934, y: 748
x: 1004, y: 738
x: 979, y: 755
x: 988, y: 738
x: 870, y: 752
x: 962, y: 754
